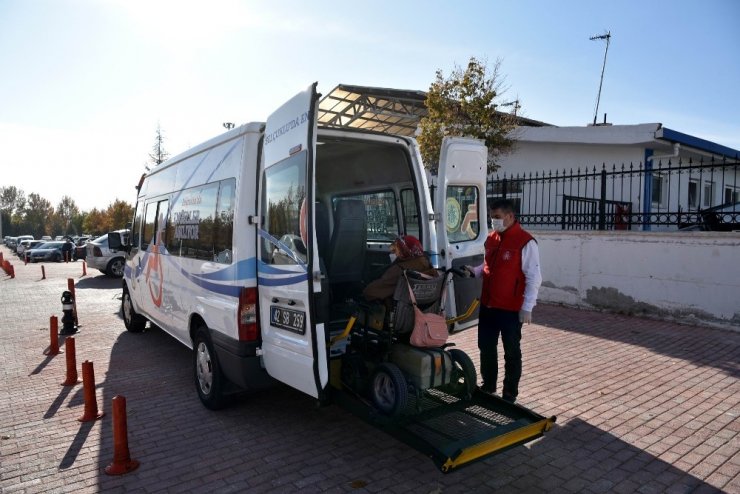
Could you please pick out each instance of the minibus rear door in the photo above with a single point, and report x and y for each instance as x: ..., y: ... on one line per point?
x: 293, y: 345
x: 460, y: 198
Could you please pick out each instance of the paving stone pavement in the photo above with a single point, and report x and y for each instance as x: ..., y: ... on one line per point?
x: 643, y: 406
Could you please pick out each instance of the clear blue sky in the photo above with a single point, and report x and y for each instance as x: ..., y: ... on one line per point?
x: 85, y: 82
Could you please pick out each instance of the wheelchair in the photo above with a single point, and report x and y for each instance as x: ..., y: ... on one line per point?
x: 380, y: 366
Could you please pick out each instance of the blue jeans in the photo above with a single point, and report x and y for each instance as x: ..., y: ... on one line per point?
x: 491, y: 323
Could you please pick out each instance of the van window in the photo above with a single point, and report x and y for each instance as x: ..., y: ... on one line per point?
x: 224, y: 230
x: 135, y: 228
x: 410, y: 213
x: 461, y: 213
x: 285, y: 190
x: 156, y: 215
x: 191, y: 226
x: 382, y: 218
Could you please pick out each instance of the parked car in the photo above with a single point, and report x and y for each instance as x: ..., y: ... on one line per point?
x: 101, y: 257
x: 25, y: 246
x: 80, y: 251
x: 48, y: 251
x: 18, y: 240
x: 46, y: 238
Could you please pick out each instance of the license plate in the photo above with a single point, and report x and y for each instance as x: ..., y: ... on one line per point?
x: 292, y: 320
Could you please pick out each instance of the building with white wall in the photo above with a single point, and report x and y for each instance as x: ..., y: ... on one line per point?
x: 657, y: 175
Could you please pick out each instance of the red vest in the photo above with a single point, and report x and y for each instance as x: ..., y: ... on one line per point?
x: 503, y: 278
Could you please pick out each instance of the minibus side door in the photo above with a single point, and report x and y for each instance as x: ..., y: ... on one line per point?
x: 293, y: 344
x: 460, y: 200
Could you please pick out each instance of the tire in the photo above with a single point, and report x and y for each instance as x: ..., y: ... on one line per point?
x: 57, y: 257
x: 388, y: 389
x: 133, y: 321
x: 464, y: 376
x: 115, y: 267
x: 209, y: 381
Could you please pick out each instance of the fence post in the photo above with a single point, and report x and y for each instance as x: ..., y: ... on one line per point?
x: 504, y: 186
x: 602, y: 200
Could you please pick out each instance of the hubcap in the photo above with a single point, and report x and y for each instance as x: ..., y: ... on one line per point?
x: 204, y: 368
x: 117, y: 268
x: 127, y: 308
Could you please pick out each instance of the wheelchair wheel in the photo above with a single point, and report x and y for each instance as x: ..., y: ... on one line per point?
x: 388, y: 389
x: 464, y: 376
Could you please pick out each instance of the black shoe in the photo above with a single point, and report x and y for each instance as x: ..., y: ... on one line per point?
x: 488, y: 390
x: 508, y: 398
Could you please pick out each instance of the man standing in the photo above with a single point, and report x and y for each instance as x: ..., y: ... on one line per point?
x: 511, y: 280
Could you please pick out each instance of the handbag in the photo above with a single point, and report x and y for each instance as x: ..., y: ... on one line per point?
x: 430, y: 330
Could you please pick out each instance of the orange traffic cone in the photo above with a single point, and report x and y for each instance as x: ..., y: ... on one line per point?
x: 122, y: 462
x: 88, y: 387
x: 53, y: 337
x: 71, y: 379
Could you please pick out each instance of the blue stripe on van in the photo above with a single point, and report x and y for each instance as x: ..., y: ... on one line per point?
x: 282, y: 281
x: 242, y: 270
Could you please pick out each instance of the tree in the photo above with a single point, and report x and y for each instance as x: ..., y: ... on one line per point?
x: 119, y: 214
x: 12, y: 202
x: 12, y: 199
x: 95, y: 222
x: 65, y: 212
x: 466, y: 104
x: 37, y: 212
x: 158, y: 154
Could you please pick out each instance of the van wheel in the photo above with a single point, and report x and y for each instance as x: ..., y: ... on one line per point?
x: 464, y: 376
x: 133, y: 321
x: 388, y: 389
x: 115, y: 267
x: 209, y: 380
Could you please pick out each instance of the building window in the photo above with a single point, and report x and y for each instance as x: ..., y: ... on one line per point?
x: 693, y: 194
x: 707, y: 194
x: 732, y: 195
x: 659, y: 185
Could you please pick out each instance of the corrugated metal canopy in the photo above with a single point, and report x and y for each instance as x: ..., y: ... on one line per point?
x: 391, y: 111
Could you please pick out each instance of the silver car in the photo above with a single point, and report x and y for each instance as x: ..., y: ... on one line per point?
x: 101, y: 257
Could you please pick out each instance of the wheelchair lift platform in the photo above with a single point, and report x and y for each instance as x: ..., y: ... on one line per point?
x: 451, y: 431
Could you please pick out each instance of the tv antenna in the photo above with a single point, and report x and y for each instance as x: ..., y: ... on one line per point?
x: 607, y: 37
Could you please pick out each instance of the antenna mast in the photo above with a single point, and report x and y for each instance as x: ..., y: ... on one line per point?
x: 607, y: 37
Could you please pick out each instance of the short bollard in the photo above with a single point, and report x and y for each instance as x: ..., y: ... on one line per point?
x: 122, y: 462
x: 43, y: 273
x: 84, y: 268
x: 12, y: 271
x: 88, y: 388
x: 53, y: 337
x: 71, y: 378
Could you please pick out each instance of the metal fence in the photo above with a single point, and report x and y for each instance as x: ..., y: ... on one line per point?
x: 703, y: 195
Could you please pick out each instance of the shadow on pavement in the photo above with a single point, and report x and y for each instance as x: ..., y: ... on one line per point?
x: 279, y: 440
x: 703, y: 346
x: 96, y: 282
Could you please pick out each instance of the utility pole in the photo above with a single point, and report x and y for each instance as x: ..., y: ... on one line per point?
x: 607, y: 37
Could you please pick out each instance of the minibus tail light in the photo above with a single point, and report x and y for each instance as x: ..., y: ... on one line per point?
x: 248, y: 321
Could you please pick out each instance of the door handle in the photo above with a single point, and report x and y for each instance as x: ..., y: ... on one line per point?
x: 291, y: 302
x: 275, y: 300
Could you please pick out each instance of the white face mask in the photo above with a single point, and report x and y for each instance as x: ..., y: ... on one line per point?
x: 392, y: 256
x: 498, y: 224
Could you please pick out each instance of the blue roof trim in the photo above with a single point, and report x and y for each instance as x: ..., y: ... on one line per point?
x: 696, y: 142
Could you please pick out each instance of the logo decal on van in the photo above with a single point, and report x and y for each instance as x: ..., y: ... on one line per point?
x: 154, y: 263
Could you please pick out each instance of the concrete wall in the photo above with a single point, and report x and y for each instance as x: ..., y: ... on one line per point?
x: 688, y: 276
